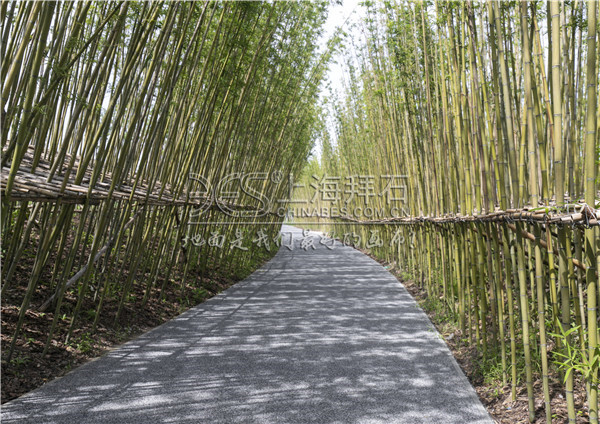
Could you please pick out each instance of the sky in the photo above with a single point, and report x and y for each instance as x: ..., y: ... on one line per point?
x: 340, y: 15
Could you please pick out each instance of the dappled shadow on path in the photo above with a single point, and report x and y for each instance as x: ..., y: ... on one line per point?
x: 323, y: 336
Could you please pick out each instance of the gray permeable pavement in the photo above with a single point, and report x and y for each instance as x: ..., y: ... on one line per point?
x: 324, y: 335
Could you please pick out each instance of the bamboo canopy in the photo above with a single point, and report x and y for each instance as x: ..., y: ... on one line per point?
x: 119, y: 120
x: 489, y: 113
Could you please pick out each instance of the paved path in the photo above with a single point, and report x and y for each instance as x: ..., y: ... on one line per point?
x: 324, y: 336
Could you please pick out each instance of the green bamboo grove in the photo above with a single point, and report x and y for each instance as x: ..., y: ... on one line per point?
x: 118, y: 116
x: 487, y: 112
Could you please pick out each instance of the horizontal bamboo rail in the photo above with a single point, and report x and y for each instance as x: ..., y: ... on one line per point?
x: 586, y: 216
x: 39, y: 187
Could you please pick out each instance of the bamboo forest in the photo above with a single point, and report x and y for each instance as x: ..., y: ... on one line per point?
x: 151, y: 152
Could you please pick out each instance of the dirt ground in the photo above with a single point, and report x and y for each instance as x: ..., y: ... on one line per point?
x: 29, y: 368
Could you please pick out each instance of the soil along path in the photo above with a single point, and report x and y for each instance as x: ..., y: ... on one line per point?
x: 316, y: 336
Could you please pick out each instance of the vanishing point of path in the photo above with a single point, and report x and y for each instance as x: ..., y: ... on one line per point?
x: 319, y: 336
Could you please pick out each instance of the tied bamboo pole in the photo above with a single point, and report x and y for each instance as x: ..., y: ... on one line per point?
x: 591, y: 234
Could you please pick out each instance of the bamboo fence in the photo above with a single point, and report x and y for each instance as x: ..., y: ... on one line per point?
x: 490, y: 111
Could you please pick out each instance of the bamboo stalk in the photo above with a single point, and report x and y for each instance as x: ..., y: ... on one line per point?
x: 591, y: 235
